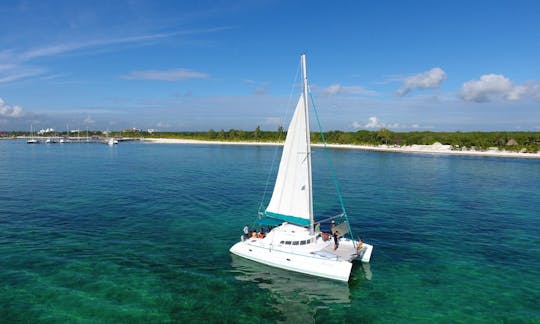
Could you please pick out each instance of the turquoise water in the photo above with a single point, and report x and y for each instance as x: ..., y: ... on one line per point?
x: 141, y: 232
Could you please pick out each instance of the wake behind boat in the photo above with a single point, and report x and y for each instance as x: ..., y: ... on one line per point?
x: 296, y: 243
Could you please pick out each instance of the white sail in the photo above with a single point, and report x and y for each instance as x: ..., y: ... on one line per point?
x: 291, y: 199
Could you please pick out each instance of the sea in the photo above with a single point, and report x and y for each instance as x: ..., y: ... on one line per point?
x: 140, y: 233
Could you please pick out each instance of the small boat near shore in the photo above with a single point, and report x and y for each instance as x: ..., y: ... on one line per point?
x: 32, y: 140
x: 112, y: 141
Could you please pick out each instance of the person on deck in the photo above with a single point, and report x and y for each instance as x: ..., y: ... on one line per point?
x: 336, y: 242
x: 317, y: 227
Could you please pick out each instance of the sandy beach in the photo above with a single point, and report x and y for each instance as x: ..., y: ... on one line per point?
x: 436, y: 148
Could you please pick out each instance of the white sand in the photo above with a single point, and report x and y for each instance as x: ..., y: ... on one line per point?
x: 436, y: 148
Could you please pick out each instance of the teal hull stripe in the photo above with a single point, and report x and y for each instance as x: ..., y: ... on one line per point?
x: 287, y: 218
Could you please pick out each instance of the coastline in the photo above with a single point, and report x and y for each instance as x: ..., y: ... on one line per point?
x: 436, y: 148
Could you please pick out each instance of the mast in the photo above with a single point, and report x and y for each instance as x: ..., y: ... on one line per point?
x: 308, y: 144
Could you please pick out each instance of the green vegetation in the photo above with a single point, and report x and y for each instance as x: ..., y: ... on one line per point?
x: 509, y: 141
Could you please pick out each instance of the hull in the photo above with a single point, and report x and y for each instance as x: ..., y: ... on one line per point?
x: 310, y: 264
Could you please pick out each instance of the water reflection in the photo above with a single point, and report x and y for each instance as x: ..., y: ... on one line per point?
x: 298, y: 297
x: 367, y: 270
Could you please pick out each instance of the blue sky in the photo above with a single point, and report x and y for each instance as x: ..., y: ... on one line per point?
x: 196, y: 65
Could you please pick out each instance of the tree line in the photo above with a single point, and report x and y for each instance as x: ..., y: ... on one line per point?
x: 510, y: 141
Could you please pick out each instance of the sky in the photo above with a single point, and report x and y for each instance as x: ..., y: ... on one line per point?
x: 197, y: 65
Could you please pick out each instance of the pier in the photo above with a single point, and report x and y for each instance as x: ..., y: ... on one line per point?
x: 76, y: 139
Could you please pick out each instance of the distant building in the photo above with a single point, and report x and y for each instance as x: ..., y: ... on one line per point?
x: 45, y: 131
x: 151, y: 130
x: 511, y: 142
x: 132, y: 130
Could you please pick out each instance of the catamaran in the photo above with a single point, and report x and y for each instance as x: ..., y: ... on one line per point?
x: 295, y: 242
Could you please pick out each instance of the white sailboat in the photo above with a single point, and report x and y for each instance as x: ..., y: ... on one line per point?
x: 296, y: 244
x: 112, y: 141
x: 32, y: 140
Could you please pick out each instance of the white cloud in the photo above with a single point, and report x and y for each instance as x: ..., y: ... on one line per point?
x: 374, y: 122
x: 338, y: 89
x: 333, y: 89
x: 533, y: 90
x: 356, y: 125
x: 495, y: 86
x: 14, y: 61
x: 426, y: 80
x: 9, y: 73
x: 10, y: 111
x: 167, y: 75
x: 57, y: 49
x: 489, y: 85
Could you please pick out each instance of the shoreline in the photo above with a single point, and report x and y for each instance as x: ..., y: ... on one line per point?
x: 436, y: 148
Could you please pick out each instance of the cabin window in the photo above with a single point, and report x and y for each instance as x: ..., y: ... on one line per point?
x: 288, y: 242
x: 302, y: 242
x: 295, y: 243
x: 282, y: 242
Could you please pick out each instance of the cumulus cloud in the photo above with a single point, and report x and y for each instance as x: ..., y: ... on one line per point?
x: 338, y: 89
x: 373, y: 122
x: 497, y: 86
x: 10, y: 111
x: 166, y: 75
x: 426, y: 80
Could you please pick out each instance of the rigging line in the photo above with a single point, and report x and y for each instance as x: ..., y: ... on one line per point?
x: 287, y: 113
x: 334, y: 177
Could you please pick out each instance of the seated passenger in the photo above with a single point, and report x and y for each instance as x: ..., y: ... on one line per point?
x: 254, y: 234
x: 261, y: 234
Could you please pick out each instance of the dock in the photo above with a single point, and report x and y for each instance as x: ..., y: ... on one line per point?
x: 75, y: 139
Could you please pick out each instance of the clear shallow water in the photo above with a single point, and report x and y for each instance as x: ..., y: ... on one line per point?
x: 140, y: 232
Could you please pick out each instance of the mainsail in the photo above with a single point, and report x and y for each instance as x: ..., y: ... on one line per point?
x: 292, y: 198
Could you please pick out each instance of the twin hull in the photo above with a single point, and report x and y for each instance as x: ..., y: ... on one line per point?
x: 307, y: 264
